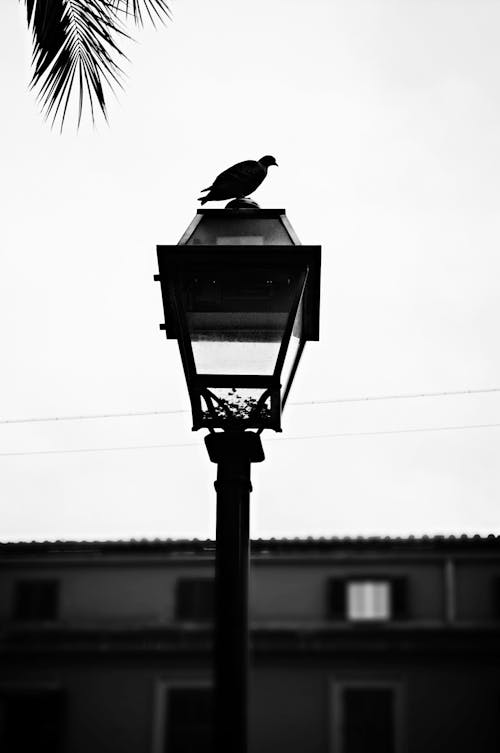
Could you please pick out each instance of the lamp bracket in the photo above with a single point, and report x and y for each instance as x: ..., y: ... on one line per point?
x: 245, y: 445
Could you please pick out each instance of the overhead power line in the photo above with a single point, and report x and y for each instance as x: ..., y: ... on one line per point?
x: 402, y: 396
x: 89, y: 416
x: 413, y: 430
x: 332, y: 401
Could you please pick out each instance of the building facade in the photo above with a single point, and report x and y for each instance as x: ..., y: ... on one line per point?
x: 358, y: 646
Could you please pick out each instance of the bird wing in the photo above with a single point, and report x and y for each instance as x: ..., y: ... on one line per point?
x: 242, y: 172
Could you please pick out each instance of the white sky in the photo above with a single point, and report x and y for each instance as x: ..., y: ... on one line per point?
x: 384, y: 117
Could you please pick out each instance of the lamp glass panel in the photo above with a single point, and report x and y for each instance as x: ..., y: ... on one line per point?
x: 235, y: 357
x: 241, y: 403
x: 236, y: 318
x: 239, y: 240
x: 247, y: 230
x: 293, y: 348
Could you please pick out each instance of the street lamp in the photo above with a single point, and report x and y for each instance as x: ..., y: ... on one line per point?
x: 241, y: 297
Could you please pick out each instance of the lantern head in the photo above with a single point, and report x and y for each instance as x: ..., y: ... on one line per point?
x: 241, y: 296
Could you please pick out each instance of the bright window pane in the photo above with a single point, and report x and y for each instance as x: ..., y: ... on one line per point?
x: 367, y: 600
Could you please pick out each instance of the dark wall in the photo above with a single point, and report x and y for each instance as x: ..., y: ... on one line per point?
x: 445, y: 707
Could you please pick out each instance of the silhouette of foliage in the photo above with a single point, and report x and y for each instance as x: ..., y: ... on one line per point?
x: 237, y: 409
x: 75, y: 46
x: 157, y: 10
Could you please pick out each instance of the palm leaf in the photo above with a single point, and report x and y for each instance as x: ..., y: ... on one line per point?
x: 74, y: 46
x: 156, y: 10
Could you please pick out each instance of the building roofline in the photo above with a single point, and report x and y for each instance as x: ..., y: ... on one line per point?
x: 264, y: 546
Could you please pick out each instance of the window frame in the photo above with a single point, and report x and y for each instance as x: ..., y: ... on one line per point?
x: 20, y: 689
x: 17, y: 598
x: 337, y: 589
x: 338, y: 684
x: 495, y: 597
x: 372, y: 582
x: 160, y: 717
x: 185, y: 580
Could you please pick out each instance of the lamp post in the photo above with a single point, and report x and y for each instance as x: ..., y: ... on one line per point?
x: 241, y: 296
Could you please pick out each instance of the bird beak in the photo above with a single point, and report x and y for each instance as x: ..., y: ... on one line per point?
x: 276, y: 164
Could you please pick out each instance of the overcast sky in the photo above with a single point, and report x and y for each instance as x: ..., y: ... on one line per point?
x: 384, y: 117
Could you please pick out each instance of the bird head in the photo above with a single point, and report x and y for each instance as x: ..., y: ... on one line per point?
x: 267, y: 161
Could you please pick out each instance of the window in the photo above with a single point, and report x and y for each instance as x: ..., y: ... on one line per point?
x: 32, y: 720
x: 367, y: 720
x: 189, y: 725
x: 368, y: 600
x: 36, y: 600
x: 365, y: 599
x: 496, y: 597
x: 195, y: 599
x: 367, y: 716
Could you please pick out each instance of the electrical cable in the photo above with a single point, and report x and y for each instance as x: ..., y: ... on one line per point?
x: 403, y: 396
x: 339, y: 400
x: 90, y: 416
x: 413, y: 430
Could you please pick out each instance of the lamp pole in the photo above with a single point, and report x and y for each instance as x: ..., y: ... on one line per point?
x: 233, y: 452
x: 241, y: 297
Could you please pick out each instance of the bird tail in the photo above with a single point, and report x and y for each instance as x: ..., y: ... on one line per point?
x: 203, y: 199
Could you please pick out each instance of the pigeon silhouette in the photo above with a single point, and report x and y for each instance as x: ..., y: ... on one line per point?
x: 239, y: 180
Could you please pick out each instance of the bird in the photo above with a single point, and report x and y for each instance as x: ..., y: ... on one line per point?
x: 239, y: 180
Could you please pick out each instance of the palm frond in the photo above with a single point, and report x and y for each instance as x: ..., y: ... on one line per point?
x: 156, y: 10
x: 74, y: 45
